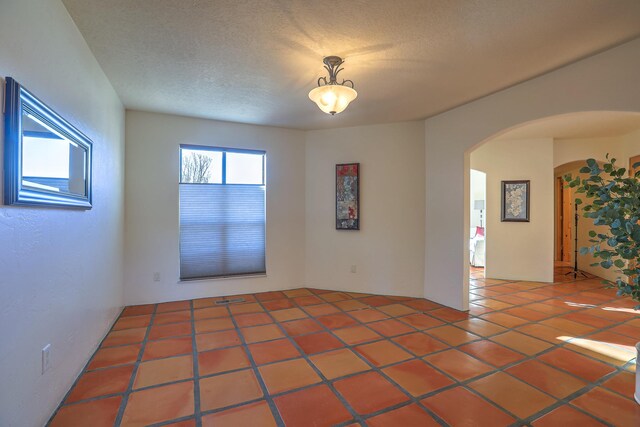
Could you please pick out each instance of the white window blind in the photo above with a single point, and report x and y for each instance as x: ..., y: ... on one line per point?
x: 222, y: 228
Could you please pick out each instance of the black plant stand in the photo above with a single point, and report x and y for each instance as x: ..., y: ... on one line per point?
x: 575, y: 270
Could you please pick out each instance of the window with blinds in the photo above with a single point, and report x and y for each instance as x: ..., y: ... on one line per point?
x: 222, y: 212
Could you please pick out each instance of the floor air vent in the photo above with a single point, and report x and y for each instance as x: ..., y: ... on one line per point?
x: 229, y: 301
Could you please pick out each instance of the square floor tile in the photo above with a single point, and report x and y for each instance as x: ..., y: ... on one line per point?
x: 576, y: 364
x: 568, y: 326
x: 416, y: 377
x: 100, y: 383
x: 288, y: 314
x: 526, y: 314
x: 167, y: 347
x: 492, y: 353
x: 315, y: 406
x: 460, y: 407
x: 368, y: 315
x: 269, y: 296
x: 350, y: 305
x: 321, y: 309
x: 301, y: 327
x: 252, y: 307
x: 222, y: 360
x: 512, y: 394
x: 95, y: 413
x: 317, y: 343
x: 522, y: 343
x: 172, y: 317
x: 480, y: 327
x: 553, y: 381
x: 261, y: 333
x: 273, y: 351
x: 171, y: 330
x: 420, y: 344
x: 137, y: 310
x: 338, y: 363
x: 252, y: 319
x: 126, y: 336
x: 159, y: 404
x: 452, y: 335
x: 215, y: 340
x: 610, y: 407
x: 160, y: 371
x: 382, y: 353
x: 114, y: 356
x: 545, y: 333
x: 376, y: 301
x: 334, y: 296
x: 396, y: 310
x: 166, y: 307
x: 422, y: 304
x: 369, y: 392
x: 256, y: 414
x: 337, y: 321
x: 210, y: 313
x: 459, y: 365
x: 421, y: 321
x: 308, y: 300
x: 229, y: 389
x: 390, y: 327
x: 213, y: 325
x: 132, y: 322
x: 279, y: 304
x: 566, y: 416
x: 357, y: 335
x: 292, y: 293
x: 288, y: 375
x: 410, y: 415
x: 623, y: 383
x: 503, y: 319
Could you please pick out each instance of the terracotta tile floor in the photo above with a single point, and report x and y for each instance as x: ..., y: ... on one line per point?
x: 527, y: 353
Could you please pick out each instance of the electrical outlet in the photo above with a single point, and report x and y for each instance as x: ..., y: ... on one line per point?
x: 46, y: 358
x: 354, y: 269
x: 156, y: 277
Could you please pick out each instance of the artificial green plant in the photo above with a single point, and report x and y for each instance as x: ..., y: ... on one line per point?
x: 613, y: 200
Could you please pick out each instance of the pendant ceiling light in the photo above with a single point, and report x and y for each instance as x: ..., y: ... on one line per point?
x: 330, y: 96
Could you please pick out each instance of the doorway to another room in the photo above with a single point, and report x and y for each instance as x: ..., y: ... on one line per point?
x: 477, y: 232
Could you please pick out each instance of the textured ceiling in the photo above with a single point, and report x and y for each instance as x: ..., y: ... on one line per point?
x: 254, y: 61
x: 579, y: 125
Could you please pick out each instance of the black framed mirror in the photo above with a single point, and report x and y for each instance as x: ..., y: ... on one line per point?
x: 47, y: 161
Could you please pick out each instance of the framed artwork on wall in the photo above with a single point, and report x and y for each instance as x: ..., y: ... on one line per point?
x: 348, y: 196
x: 515, y: 201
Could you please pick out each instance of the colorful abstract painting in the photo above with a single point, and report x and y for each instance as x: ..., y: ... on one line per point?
x: 515, y: 201
x: 348, y: 196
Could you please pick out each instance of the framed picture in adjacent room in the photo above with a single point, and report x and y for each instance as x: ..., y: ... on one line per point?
x: 348, y: 196
x: 515, y: 201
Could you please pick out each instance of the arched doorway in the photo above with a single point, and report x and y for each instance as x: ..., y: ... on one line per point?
x: 541, y: 152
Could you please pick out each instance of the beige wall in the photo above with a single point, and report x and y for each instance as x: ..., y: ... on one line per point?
x: 151, y: 214
x: 388, y: 250
x: 61, y: 269
x: 519, y: 250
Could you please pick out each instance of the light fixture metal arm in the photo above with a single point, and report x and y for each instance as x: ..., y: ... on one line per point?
x: 332, y: 65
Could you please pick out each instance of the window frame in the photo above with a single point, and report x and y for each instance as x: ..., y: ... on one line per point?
x: 224, y: 150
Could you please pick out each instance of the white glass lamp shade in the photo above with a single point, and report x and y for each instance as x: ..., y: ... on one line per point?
x: 332, y: 99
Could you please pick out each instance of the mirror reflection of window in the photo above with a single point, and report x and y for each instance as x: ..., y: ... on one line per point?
x: 50, y: 161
